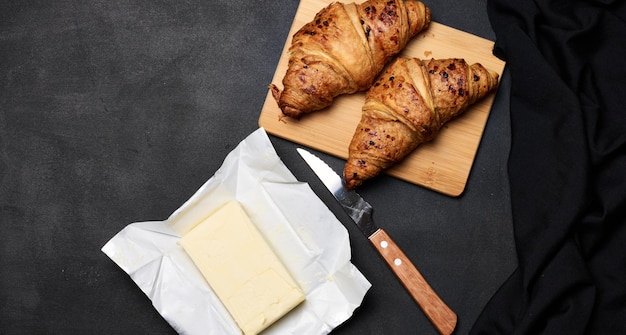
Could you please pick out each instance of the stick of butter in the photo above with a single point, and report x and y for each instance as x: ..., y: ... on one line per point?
x: 242, y: 269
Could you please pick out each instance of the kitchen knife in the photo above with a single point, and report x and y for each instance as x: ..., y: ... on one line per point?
x: 441, y: 316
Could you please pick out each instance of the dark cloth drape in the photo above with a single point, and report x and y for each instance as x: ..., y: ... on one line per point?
x: 567, y: 167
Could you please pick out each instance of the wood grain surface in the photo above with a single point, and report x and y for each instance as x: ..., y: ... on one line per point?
x: 436, y: 310
x: 442, y: 165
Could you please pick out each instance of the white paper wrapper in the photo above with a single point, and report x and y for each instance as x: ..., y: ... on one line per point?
x: 308, y: 238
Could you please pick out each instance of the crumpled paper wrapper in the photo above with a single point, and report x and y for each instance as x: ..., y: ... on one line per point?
x: 308, y: 238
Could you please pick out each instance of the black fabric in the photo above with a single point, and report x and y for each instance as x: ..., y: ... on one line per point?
x: 567, y: 167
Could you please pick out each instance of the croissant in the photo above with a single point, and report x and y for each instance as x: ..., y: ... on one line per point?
x: 343, y: 49
x: 406, y: 106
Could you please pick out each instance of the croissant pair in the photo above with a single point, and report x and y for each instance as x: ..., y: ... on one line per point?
x: 343, y: 51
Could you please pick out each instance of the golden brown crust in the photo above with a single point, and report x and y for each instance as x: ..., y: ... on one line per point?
x: 406, y: 106
x: 343, y: 49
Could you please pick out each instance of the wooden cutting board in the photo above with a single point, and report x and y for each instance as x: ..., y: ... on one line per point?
x: 442, y: 165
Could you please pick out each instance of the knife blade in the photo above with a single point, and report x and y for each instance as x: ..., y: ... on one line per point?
x: 435, y: 309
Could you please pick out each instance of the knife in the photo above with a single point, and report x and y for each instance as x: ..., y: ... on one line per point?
x: 439, y: 314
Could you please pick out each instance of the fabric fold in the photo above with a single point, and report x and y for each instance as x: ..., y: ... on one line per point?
x: 566, y: 167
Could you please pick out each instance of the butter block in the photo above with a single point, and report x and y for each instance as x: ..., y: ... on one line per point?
x: 242, y: 269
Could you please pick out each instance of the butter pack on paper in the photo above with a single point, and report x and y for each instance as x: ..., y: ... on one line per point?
x: 305, y: 237
x: 241, y: 268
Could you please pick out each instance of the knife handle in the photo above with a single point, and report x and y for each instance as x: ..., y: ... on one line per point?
x: 441, y: 316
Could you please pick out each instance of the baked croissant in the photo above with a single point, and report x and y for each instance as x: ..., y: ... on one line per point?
x: 406, y: 106
x: 343, y: 49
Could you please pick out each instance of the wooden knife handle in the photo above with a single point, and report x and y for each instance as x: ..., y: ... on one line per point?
x: 442, y: 317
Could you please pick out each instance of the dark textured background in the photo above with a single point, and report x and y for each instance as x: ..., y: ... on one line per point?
x: 113, y: 112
